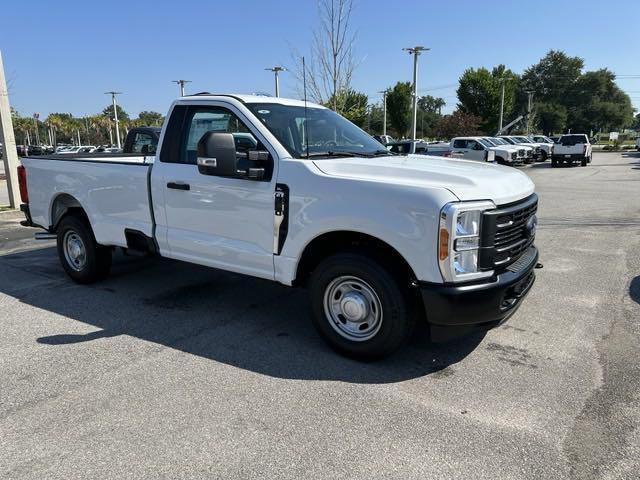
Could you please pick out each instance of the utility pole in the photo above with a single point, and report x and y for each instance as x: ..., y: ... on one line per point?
x: 10, y: 154
x: 530, y: 99
x: 277, y: 69
x: 415, y: 51
x: 384, y: 111
x: 115, y: 114
x: 181, y: 83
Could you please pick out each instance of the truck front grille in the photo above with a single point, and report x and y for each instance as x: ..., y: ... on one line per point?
x: 514, y: 155
x: 507, y: 233
x: 521, y: 152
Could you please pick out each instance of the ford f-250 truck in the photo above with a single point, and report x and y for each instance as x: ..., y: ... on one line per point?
x: 292, y: 192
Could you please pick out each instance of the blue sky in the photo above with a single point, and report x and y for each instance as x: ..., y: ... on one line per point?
x: 61, y: 56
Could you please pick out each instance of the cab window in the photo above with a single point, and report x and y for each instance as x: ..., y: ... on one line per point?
x: 201, y: 120
x: 143, y: 143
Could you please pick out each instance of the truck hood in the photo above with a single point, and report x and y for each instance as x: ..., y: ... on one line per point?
x: 466, y: 179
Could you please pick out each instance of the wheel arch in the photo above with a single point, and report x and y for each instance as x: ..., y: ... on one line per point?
x: 62, y: 205
x: 340, y: 241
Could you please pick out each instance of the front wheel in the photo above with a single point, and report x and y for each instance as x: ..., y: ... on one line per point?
x: 554, y: 163
x: 80, y: 255
x: 583, y: 162
x: 359, y: 308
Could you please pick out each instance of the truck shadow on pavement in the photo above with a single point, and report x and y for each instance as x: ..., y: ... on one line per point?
x: 248, y: 323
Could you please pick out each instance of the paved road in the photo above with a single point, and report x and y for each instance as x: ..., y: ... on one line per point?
x: 167, y: 370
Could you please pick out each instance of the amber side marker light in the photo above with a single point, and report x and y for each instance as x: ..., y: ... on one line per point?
x: 443, y: 244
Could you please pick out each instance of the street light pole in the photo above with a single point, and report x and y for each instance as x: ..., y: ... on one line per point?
x: 115, y: 114
x: 181, y: 84
x: 415, y: 51
x: 384, y: 111
x: 277, y: 69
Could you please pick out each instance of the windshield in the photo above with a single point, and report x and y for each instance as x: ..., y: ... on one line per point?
x: 500, y: 141
x: 491, y: 141
x: 484, y: 142
x: 327, y: 133
x: 523, y: 140
x: 508, y: 140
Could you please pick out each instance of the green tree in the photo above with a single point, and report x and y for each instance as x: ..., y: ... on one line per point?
x: 553, y: 78
x: 399, y: 108
x: 550, y: 117
x: 458, y: 124
x: 599, y: 104
x: 429, y: 115
x: 351, y: 105
x: 150, y: 118
x: 479, y: 94
x: 122, y: 115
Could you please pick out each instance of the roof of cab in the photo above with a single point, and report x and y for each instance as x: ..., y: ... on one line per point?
x: 248, y: 99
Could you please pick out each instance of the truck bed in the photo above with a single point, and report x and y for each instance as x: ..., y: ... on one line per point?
x: 112, y: 188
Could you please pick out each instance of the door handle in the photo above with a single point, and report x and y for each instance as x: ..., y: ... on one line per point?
x: 179, y: 186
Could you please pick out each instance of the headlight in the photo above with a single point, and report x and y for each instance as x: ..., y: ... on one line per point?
x: 459, y: 240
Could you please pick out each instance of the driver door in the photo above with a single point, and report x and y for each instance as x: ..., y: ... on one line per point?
x: 222, y: 222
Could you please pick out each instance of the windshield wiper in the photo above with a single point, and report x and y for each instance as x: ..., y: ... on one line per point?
x: 346, y: 153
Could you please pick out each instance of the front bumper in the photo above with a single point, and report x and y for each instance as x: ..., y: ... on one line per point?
x: 455, y: 310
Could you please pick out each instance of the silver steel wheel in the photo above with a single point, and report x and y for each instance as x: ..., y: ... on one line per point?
x: 75, y: 252
x: 353, y: 308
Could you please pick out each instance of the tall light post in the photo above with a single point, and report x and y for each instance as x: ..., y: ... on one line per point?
x: 415, y: 51
x: 115, y: 114
x: 276, y: 70
x: 384, y: 111
x: 502, y: 81
x: 181, y: 84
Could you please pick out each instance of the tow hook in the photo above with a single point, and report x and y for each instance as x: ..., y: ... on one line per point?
x: 539, y: 265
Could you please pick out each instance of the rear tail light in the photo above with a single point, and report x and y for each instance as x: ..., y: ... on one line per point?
x: 22, y: 183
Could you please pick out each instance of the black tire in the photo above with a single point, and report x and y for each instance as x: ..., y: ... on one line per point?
x: 543, y: 156
x: 94, y: 264
x: 554, y: 163
x: 395, y: 324
x: 583, y: 162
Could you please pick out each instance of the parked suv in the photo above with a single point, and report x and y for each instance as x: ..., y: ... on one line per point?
x: 572, y: 148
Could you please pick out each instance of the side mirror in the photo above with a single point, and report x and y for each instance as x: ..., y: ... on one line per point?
x: 217, y: 154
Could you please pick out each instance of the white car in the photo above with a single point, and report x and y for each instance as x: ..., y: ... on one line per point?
x: 314, y: 201
x: 638, y: 144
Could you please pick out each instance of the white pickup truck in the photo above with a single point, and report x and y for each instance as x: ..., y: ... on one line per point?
x: 572, y: 148
x: 294, y: 193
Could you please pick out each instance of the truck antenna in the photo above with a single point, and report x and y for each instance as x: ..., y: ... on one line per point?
x: 304, y: 88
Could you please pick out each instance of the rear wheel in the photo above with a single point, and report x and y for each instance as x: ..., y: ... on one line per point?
x: 543, y: 156
x: 554, y: 162
x: 359, y: 307
x: 80, y: 255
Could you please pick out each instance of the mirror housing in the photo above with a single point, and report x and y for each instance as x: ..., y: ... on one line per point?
x: 217, y: 154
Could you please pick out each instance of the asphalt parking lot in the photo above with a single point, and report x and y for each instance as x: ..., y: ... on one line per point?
x: 167, y: 370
